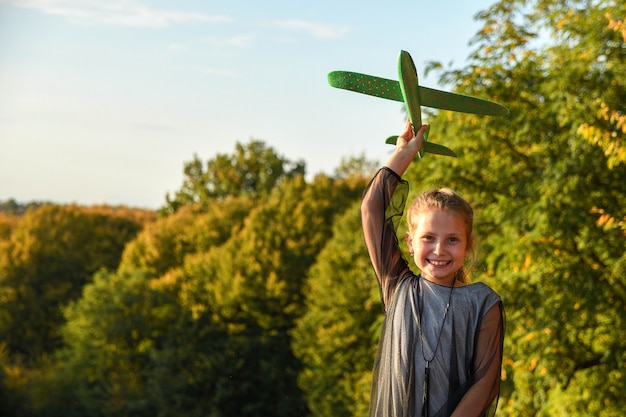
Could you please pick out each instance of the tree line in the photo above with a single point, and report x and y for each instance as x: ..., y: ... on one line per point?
x: 250, y: 292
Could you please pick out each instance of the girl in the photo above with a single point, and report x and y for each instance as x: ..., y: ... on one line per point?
x: 440, y: 350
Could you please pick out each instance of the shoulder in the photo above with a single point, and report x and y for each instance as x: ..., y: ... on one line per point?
x: 480, y: 295
x: 480, y: 288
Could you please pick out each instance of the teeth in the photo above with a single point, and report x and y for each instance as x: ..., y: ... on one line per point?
x: 438, y: 263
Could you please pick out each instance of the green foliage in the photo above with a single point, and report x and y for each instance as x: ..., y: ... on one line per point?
x: 257, y: 371
x: 255, y: 283
x: 7, y: 224
x: 131, y: 349
x: 336, y: 338
x: 550, y: 205
x: 356, y: 167
x: 52, y: 252
x: 206, y: 332
x: 13, y: 208
x: 164, y: 244
x: 256, y: 280
x: 253, y: 170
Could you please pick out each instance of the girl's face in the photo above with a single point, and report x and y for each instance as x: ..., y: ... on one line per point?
x: 439, y: 244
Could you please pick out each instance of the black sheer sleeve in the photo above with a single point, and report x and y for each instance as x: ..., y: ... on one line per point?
x: 381, y: 210
x: 482, y: 397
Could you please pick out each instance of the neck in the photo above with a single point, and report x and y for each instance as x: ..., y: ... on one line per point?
x: 452, y: 283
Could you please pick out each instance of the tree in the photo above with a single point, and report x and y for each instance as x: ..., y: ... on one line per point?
x: 164, y: 244
x: 258, y: 283
x: 254, y: 283
x: 544, y: 182
x: 132, y: 349
x: 336, y: 337
x: 254, y: 170
x: 12, y: 207
x: 210, y: 335
x: 52, y: 252
x: 356, y: 167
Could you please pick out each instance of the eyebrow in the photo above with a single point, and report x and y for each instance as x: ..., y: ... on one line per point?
x: 429, y: 232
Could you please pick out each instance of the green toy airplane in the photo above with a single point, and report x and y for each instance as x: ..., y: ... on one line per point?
x: 414, y: 96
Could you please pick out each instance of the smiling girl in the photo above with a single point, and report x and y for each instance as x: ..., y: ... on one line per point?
x: 440, y: 350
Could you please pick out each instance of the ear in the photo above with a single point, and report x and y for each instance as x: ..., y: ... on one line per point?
x: 470, y: 245
x: 409, y: 241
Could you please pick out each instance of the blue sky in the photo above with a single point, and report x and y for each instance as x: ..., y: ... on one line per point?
x: 104, y: 101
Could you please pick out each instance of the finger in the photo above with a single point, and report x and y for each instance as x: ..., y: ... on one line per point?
x: 408, y: 131
x: 423, y: 132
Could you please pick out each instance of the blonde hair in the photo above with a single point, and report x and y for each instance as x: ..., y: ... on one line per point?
x: 444, y: 199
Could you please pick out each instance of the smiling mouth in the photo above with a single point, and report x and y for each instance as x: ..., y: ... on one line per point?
x: 438, y: 263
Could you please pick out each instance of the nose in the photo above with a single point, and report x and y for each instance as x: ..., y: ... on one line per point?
x: 438, y: 249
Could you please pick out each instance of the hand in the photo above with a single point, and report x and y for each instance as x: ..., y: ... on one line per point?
x: 407, y: 147
x: 413, y: 143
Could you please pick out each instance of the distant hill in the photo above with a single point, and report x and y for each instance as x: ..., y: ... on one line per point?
x: 12, y: 207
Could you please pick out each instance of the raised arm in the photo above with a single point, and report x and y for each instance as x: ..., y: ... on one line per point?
x: 381, y: 209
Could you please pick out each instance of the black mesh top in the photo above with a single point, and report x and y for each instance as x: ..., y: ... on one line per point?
x: 465, y: 368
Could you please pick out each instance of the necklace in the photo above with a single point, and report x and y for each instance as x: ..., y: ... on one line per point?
x: 425, y: 398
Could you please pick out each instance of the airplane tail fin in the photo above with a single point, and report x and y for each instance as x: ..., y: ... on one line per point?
x: 427, y: 147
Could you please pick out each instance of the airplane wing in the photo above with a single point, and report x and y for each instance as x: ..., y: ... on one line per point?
x: 429, y: 97
x: 370, y: 85
x: 459, y: 102
x: 366, y: 84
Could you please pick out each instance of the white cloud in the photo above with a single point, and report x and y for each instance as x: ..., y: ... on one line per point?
x: 115, y: 12
x: 241, y: 41
x: 317, y: 30
x: 237, y: 41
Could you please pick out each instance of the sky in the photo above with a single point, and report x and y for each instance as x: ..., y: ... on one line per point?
x: 103, y: 102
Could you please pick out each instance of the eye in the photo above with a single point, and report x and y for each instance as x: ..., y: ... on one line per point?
x: 454, y: 239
